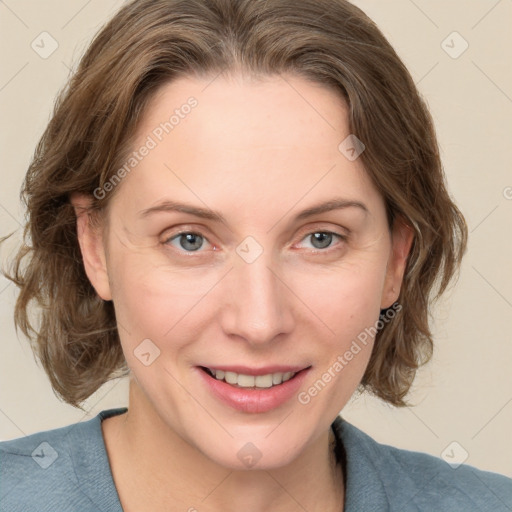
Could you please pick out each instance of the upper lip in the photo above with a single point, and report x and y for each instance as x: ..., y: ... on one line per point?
x: 246, y: 370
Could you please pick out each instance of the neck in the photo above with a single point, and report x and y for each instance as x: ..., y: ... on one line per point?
x: 153, y: 467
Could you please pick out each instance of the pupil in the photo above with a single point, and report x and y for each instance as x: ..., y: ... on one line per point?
x: 193, y: 239
x: 324, y: 240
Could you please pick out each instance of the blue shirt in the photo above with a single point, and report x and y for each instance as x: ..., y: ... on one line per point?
x: 67, y: 470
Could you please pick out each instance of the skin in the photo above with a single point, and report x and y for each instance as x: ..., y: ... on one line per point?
x: 258, y: 153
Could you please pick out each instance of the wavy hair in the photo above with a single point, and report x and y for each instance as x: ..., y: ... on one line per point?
x: 147, y: 44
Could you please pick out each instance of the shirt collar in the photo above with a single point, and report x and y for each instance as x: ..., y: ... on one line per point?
x: 364, y: 489
x: 90, y: 461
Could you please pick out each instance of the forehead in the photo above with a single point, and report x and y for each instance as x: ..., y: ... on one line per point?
x: 252, y: 111
x: 247, y: 139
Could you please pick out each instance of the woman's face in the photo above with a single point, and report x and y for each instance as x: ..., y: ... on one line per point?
x: 253, y: 278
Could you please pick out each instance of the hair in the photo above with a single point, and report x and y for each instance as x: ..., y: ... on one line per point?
x: 147, y: 44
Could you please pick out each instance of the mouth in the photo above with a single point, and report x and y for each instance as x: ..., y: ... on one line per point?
x: 253, y: 390
x: 253, y: 380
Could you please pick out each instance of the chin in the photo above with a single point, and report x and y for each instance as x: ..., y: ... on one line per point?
x: 247, y: 455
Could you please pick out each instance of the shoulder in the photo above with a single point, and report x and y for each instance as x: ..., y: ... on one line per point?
x: 55, y: 470
x: 418, y: 481
x: 449, y: 487
x: 32, y: 468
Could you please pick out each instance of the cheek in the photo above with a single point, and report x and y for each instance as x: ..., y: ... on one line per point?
x: 346, y: 298
x: 349, y: 308
x: 155, y: 302
x: 331, y: 303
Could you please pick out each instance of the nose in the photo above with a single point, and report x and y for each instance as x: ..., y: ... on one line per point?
x: 258, y: 305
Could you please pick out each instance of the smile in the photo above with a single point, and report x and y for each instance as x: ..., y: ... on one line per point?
x: 253, y: 393
x: 250, y: 381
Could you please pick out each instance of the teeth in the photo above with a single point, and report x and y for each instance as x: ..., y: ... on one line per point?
x: 250, y: 381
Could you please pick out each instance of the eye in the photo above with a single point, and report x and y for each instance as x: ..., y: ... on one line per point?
x: 190, y: 241
x: 187, y: 241
x: 323, y: 239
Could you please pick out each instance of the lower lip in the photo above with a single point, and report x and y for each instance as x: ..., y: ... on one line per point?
x: 254, y: 400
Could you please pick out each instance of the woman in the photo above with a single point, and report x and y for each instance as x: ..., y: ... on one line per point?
x: 240, y: 204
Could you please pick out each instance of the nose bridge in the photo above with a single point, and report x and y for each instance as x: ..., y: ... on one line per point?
x: 258, y: 307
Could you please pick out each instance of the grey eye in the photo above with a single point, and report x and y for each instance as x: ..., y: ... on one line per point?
x: 189, y: 241
x: 321, y: 240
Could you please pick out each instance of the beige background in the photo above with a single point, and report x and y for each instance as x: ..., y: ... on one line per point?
x: 465, y: 393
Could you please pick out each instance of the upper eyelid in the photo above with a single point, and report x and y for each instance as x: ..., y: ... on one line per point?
x: 305, y: 231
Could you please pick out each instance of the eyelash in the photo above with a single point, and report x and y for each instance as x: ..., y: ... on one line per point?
x: 328, y: 249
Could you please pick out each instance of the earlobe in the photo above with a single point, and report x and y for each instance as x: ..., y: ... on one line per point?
x: 402, y: 239
x: 90, y: 239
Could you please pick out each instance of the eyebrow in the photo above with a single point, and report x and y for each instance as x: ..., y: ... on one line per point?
x: 204, y: 213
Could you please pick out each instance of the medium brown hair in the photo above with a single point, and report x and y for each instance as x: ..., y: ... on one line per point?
x: 149, y: 43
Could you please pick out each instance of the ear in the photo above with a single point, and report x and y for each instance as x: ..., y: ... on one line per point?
x: 90, y: 239
x: 402, y: 237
